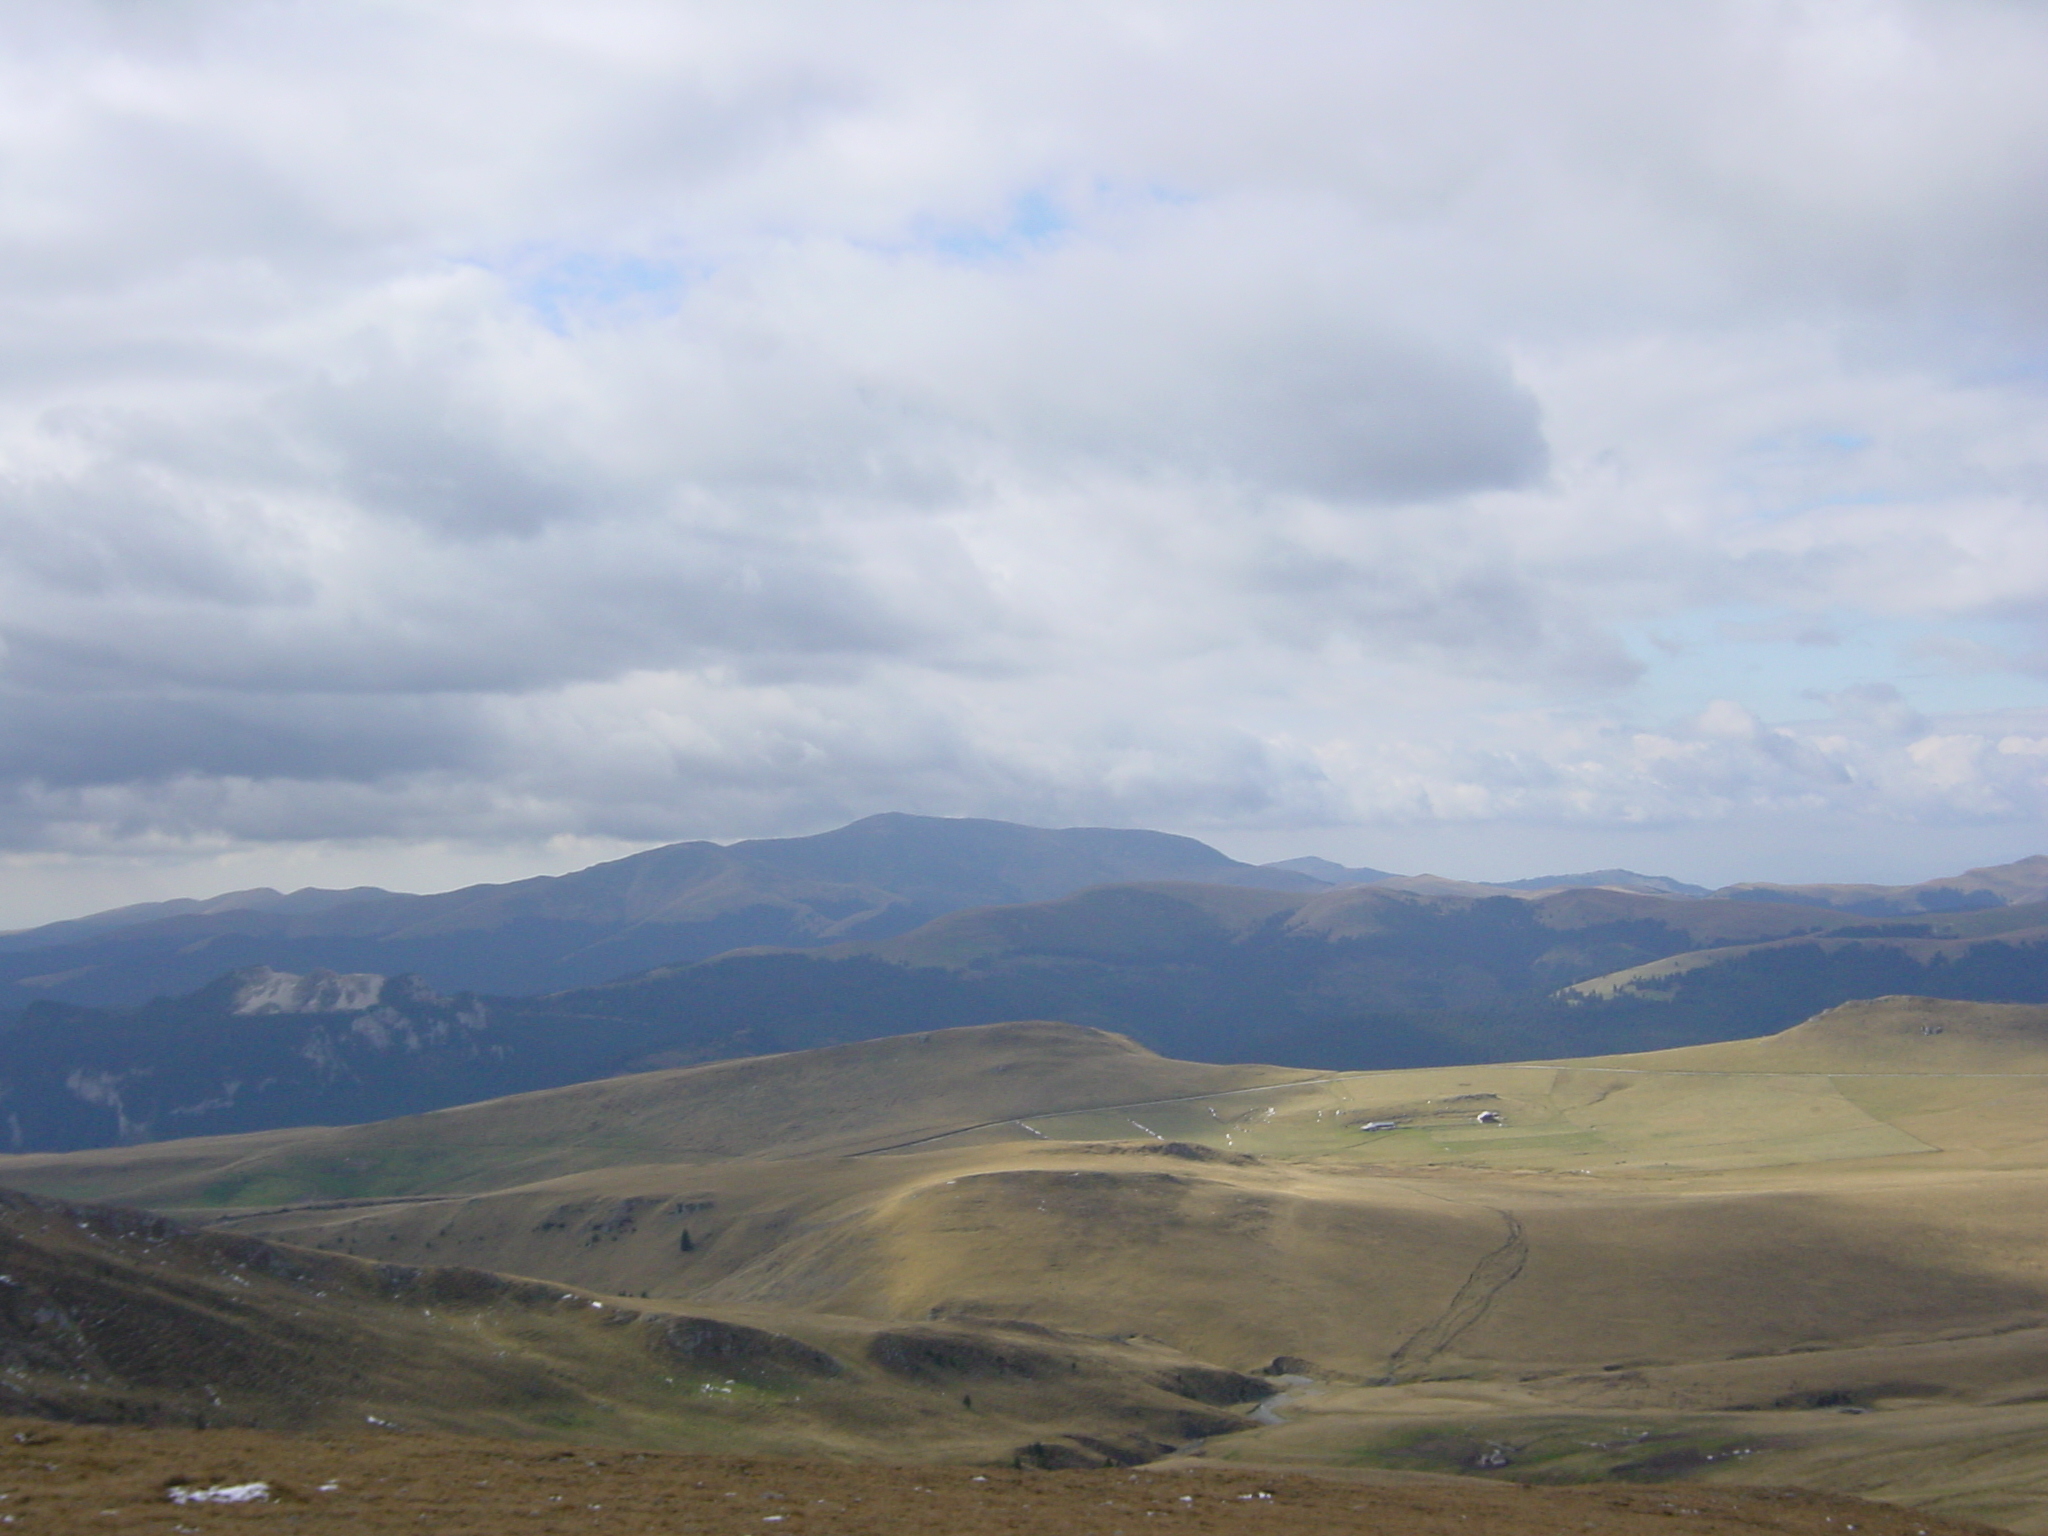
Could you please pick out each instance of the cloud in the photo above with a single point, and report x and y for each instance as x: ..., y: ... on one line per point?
x: 496, y: 423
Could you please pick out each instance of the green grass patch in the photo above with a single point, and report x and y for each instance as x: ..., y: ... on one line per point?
x: 354, y: 1176
x: 1561, y: 1450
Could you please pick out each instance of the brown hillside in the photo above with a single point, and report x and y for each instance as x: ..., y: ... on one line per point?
x: 93, y: 1479
x: 874, y: 1093
x: 113, y: 1315
x: 1814, y: 1257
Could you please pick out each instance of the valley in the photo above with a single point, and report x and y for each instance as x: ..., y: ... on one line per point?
x: 1343, y: 978
x: 1810, y: 1257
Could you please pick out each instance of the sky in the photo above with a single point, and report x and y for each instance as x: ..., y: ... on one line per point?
x: 458, y: 442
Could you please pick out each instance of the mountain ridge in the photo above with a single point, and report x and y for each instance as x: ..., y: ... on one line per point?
x: 685, y: 901
x: 1359, y: 976
x: 870, y: 880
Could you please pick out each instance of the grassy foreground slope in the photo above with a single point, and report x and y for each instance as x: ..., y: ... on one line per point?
x: 1686, y: 1263
x: 101, y: 1479
x: 114, y: 1315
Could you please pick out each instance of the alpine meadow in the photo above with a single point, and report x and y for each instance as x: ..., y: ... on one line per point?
x: 880, y: 769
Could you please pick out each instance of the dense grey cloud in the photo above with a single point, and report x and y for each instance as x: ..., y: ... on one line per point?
x: 436, y: 438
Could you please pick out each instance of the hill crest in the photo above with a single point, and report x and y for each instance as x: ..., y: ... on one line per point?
x: 1884, y: 1036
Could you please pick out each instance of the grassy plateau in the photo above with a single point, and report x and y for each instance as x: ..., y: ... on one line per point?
x: 1814, y: 1258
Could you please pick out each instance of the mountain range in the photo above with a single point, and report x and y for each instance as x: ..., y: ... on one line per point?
x: 1345, y: 978
x: 877, y: 877
x: 1054, y: 1149
x: 870, y: 881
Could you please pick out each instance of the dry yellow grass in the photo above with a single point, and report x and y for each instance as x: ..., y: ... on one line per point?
x: 95, y: 1479
x: 1649, y: 1262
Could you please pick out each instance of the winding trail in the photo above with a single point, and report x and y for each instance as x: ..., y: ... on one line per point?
x: 1489, y: 1277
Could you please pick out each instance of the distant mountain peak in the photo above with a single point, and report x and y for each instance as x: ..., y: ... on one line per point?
x: 1330, y: 872
x: 1994, y: 885
x: 882, y: 875
x: 261, y: 898
x: 1612, y: 879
